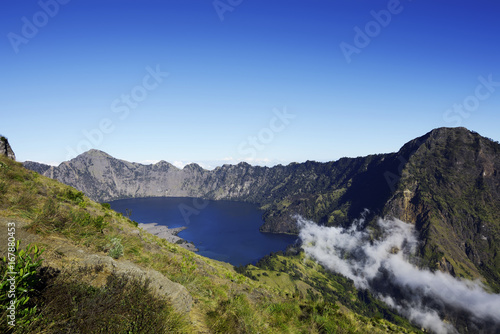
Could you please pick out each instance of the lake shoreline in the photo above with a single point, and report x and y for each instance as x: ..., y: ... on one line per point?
x: 169, y: 234
x: 220, y: 230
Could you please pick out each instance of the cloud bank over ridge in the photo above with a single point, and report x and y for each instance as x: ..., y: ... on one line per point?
x: 388, y: 267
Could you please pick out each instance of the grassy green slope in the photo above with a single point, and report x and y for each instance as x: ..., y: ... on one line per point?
x: 295, y: 275
x: 59, y: 218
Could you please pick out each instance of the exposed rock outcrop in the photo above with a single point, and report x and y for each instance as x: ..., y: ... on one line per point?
x: 65, y: 256
x: 36, y: 166
x: 450, y: 188
x: 180, y: 297
x: 5, y: 148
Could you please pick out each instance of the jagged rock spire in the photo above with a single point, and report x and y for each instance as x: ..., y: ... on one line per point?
x: 5, y: 148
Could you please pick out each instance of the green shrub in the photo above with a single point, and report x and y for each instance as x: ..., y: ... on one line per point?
x: 232, y: 316
x: 19, y: 288
x: 84, y: 219
x: 50, y: 216
x: 23, y: 201
x: 106, y: 206
x: 99, y: 223
x: 116, y: 249
x: 3, y: 187
x: 81, y: 218
x: 72, y: 195
x: 123, y: 305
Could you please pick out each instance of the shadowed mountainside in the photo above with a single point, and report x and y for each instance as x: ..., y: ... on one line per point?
x: 450, y: 188
x: 445, y: 182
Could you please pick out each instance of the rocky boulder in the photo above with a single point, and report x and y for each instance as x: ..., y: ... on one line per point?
x: 5, y: 148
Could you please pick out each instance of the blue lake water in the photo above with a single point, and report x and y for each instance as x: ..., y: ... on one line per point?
x: 222, y: 230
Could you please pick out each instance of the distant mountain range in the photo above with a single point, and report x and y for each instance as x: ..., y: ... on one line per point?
x: 446, y: 182
x: 100, y: 266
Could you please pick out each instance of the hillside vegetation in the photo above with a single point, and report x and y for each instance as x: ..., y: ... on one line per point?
x: 446, y: 182
x: 450, y: 189
x: 99, y: 273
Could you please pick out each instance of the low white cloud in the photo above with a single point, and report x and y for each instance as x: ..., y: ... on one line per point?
x: 149, y: 162
x: 388, y: 265
x: 258, y: 160
x: 180, y: 164
x: 50, y: 163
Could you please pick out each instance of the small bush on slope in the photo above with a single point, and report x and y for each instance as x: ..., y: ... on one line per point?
x: 123, y: 305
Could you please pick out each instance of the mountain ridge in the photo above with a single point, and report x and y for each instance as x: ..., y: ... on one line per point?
x: 446, y: 182
x: 99, y: 266
x: 450, y: 189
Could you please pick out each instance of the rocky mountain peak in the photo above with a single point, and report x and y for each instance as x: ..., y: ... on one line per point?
x: 441, y: 138
x: 5, y: 148
x: 193, y: 166
x: 94, y: 153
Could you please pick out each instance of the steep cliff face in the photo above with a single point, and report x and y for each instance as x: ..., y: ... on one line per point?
x: 445, y: 182
x: 104, y: 178
x: 5, y: 148
x: 450, y: 188
x: 36, y: 166
x: 333, y: 192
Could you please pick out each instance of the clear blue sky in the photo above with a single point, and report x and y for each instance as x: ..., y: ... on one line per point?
x: 75, y: 67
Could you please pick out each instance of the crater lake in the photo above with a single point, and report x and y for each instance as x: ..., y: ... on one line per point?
x: 222, y: 230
